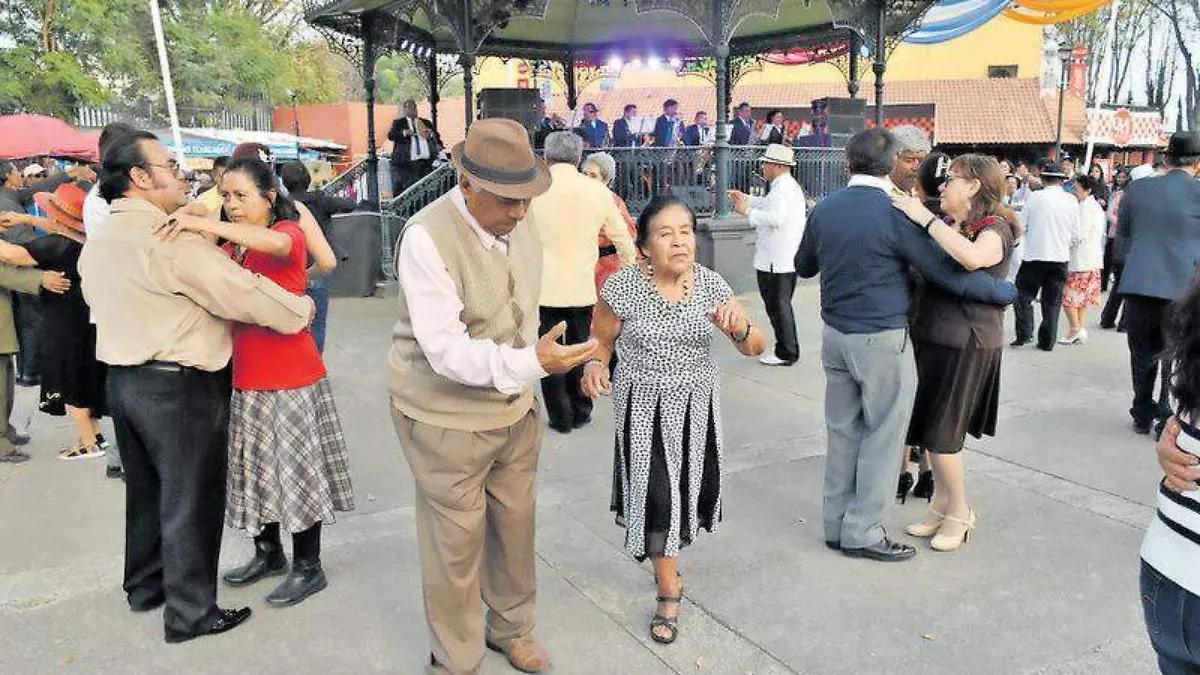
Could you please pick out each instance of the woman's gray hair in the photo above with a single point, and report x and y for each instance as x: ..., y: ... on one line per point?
x: 604, y: 163
x: 564, y: 147
x: 911, y: 139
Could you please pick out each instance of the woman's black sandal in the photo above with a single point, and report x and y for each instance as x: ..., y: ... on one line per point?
x: 670, y: 623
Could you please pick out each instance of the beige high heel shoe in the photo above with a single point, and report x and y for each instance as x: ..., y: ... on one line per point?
x: 927, y: 528
x: 947, y: 543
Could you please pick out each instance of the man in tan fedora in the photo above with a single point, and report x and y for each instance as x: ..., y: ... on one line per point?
x: 779, y: 219
x: 465, y: 357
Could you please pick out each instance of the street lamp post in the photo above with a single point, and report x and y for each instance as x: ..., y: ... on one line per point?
x: 295, y: 122
x: 1064, y: 56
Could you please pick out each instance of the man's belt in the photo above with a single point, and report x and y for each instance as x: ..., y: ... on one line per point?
x: 608, y: 250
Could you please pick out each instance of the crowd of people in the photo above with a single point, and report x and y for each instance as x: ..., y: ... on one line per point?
x: 209, y: 308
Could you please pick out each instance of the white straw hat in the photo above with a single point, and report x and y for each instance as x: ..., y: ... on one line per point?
x: 779, y: 154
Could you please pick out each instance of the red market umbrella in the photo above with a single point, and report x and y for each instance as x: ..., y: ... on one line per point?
x: 23, y: 136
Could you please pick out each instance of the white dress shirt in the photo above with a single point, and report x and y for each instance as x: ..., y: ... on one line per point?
x: 419, y: 146
x: 878, y: 182
x: 1051, y: 218
x: 95, y: 210
x: 1088, y: 253
x: 435, y: 310
x: 779, y: 220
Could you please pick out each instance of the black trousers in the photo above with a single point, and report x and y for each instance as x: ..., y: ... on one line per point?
x: 404, y: 175
x: 27, y: 314
x: 172, y: 430
x: 1107, y: 270
x: 1147, y: 317
x: 566, y: 404
x: 777, y: 289
x: 1047, y: 279
x: 1112, y: 306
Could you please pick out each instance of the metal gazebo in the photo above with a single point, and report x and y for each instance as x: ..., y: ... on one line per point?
x: 592, y: 31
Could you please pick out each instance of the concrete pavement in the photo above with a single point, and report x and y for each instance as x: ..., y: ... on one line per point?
x: 1047, y: 585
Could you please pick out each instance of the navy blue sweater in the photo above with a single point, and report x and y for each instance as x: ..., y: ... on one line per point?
x: 862, y: 246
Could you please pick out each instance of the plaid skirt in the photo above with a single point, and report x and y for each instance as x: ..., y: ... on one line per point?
x: 287, y: 459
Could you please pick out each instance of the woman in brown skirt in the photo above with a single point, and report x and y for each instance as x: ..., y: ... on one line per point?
x: 959, y: 343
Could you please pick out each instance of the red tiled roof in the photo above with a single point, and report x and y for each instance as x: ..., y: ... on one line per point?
x: 977, y: 111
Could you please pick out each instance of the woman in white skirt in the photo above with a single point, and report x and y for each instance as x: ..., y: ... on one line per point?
x: 287, y: 456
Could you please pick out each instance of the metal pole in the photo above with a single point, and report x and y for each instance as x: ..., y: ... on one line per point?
x: 168, y: 87
x: 568, y: 65
x: 852, y: 84
x: 1062, y: 98
x: 368, y: 32
x: 296, y: 125
x: 721, y: 146
x: 468, y: 66
x: 880, y: 66
x: 434, y: 94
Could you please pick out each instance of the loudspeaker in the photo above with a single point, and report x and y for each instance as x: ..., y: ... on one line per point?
x: 515, y: 104
x: 841, y: 106
x: 845, y: 124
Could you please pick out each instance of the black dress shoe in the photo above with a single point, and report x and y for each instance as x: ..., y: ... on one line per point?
x: 1018, y: 343
x: 833, y: 545
x: 306, y: 578
x: 580, y: 422
x: 227, y: 620
x: 1141, y: 428
x: 29, y: 381
x: 885, y: 551
x: 114, y: 472
x: 561, y: 427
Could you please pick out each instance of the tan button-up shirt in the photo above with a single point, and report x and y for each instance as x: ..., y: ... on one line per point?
x: 172, y: 301
x: 569, y: 218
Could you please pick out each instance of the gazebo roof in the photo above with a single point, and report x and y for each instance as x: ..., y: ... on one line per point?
x: 587, y: 29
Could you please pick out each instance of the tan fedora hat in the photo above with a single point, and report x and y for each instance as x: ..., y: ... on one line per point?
x: 498, y: 158
x: 779, y: 154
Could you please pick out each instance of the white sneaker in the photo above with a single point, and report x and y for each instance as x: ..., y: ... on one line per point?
x: 770, y: 359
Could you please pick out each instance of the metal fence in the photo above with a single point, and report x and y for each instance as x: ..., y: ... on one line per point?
x: 250, y: 116
x: 641, y: 174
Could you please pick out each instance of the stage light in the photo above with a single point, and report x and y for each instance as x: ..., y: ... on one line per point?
x: 636, y: 63
x: 614, y: 62
x: 675, y: 62
x: 654, y: 63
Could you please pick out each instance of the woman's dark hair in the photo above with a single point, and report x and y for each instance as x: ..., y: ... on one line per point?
x: 1183, y: 347
x: 295, y: 177
x: 122, y: 154
x: 773, y: 113
x: 1087, y: 183
x: 932, y: 174
x: 872, y: 153
x: 655, y: 207
x: 263, y: 177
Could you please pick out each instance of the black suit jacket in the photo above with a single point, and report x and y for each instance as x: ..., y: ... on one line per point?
x: 742, y: 132
x: 402, y: 146
x: 595, y: 136
x: 691, y: 135
x: 622, y: 137
x: 664, y: 132
x: 1160, y: 219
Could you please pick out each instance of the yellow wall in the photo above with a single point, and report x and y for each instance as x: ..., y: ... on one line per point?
x: 999, y: 42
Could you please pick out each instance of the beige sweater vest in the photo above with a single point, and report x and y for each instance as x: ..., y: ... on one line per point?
x: 490, y: 312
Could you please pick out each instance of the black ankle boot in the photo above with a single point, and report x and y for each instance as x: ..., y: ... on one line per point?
x: 905, y: 484
x: 268, y: 560
x: 307, y: 577
x: 924, y: 488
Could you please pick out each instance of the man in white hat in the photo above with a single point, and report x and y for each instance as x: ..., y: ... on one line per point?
x: 465, y: 358
x: 779, y: 219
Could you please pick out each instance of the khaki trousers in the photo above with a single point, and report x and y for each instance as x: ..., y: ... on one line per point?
x: 476, y: 499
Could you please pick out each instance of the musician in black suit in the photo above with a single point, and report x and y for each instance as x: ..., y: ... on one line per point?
x: 1160, y: 217
x: 594, y: 131
x: 622, y: 129
x: 775, y: 130
x: 743, y: 126
x: 698, y: 133
x: 414, y: 146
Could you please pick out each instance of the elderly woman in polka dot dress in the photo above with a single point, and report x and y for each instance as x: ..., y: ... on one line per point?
x: 661, y: 316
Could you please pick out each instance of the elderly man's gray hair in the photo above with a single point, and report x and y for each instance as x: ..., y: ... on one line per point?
x: 911, y: 139
x: 564, y: 147
x: 604, y: 163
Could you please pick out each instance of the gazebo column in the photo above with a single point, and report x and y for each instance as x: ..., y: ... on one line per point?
x: 369, y: 56
x: 434, y: 95
x: 568, y: 64
x: 852, y: 80
x: 880, y: 66
x: 721, y: 146
x: 467, y: 61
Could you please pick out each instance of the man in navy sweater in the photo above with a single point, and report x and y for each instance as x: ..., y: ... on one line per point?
x: 862, y: 247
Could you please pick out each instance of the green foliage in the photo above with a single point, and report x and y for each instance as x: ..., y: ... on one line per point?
x: 398, y: 77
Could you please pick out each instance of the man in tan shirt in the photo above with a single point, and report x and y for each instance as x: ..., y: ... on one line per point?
x: 162, y: 312
x: 569, y: 218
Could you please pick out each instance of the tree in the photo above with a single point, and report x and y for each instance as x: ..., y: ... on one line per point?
x: 1091, y: 31
x: 399, y: 77
x: 1183, y: 16
x: 1160, y: 71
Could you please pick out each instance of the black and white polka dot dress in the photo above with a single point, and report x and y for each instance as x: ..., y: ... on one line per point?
x: 667, y: 403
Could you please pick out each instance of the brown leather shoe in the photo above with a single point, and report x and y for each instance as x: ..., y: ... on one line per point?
x: 523, y: 654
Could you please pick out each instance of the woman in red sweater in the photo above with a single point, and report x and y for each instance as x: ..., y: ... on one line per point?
x: 287, y: 455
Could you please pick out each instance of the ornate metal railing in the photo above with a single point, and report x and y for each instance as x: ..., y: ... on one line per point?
x: 396, y: 212
x: 642, y: 174
x: 350, y: 184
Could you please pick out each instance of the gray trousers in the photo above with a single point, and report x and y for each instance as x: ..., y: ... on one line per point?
x: 870, y: 383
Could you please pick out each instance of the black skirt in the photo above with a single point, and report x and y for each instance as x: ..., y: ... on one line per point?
x: 958, y: 393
